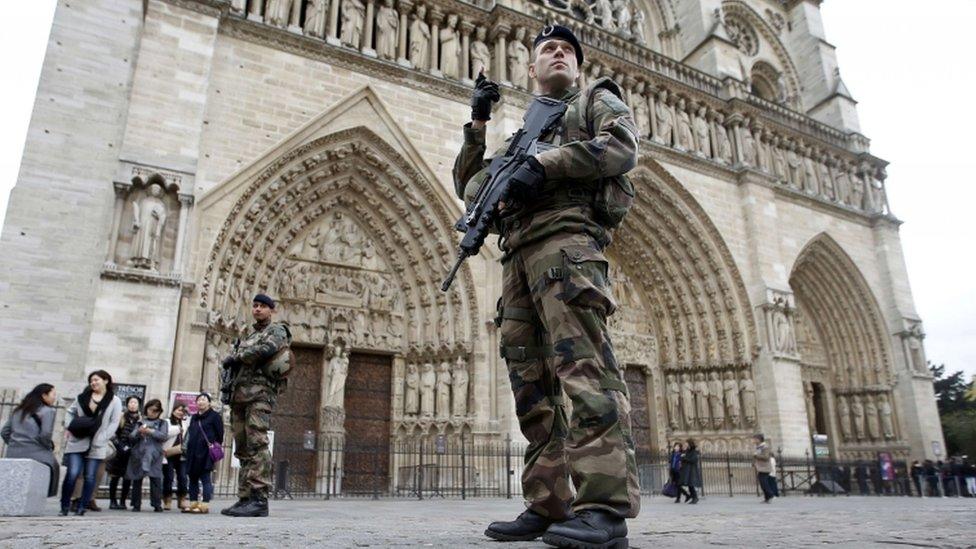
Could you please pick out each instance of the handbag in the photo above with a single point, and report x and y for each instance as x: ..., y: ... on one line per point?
x: 670, y: 490
x: 214, y: 448
x: 85, y: 426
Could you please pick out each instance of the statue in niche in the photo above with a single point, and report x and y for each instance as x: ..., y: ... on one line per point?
x: 444, y: 381
x: 715, y: 390
x: 622, y: 16
x: 450, y: 48
x: 480, y: 54
x: 411, y: 396
x: 311, y: 245
x: 518, y: 60
x: 887, y: 424
x: 238, y: 5
x: 748, y: 389
x: 856, y: 194
x: 844, y: 415
x: 674, y: 400
x: 748, y: 147
x: 604, y: 12
x: 876, y: 194
x: 842, y: 185
x: 353, y: 14
x: 811, y: 186
x: 637, y: 28
x: 316, y: 13
x: 871, y: 414
x: 701, y: 134
x: 460, y: 402
x: 277, y: 13
x: 688, y: 400
x: 762, y: 151
x: 731, y: 389
x: 793, y: 161
x: 665, y: 120
x: 686, y: 140
x: 783, y: 332
x: 256, y: 8
x: 857, y: 410
x: 779, y: 162
x: 420, y: 39
x: 148, y: 221
x: 724, y: 145
x: 338, y: 369
x: 826, y: 183
x: 811, y: 409
x: 916, y: 355
x: 701, y: 397
x: 387, y: 24
x: 428, y: 380
x: 641, y: 112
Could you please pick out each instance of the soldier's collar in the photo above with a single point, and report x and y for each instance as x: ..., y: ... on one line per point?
x: 565, y: 94
x: 261, y: 325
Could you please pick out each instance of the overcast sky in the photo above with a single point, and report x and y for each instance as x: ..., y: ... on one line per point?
x: 910, y: 68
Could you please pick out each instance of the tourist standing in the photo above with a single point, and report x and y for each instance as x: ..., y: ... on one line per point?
x: 916, y: 473
x: 674, y: 471
x: 690, y: 476
x: 762, y: 463
x: 123, y: 447
x: 146, y: 457
x: 91, y: 420
x: 173, y: 466
x: 969, y: 472
x: 206, y: 427
x: 29, y: 431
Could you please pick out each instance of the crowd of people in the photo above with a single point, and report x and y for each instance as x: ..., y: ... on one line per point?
x: 685, y: 478
x: 131, y: 443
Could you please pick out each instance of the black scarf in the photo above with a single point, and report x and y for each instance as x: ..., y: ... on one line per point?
x: 85, y: 398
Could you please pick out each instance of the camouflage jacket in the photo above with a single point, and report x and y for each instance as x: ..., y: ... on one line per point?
x: 575, y: 160
x: 251, y: 382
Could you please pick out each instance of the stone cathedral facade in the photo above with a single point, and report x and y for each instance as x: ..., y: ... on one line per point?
x: 185, y: 154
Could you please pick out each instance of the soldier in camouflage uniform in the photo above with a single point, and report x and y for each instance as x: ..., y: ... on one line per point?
x: 555, y: 302
x: 254, y: 391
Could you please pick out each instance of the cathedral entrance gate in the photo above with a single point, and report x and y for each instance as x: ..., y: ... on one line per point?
x: 367, y: 425
x: 295, y: 417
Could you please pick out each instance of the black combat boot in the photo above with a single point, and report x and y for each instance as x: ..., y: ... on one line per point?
x: 240, y: 502
x: 528, y: 526
x: 257, y: 506
x: 591, y: 529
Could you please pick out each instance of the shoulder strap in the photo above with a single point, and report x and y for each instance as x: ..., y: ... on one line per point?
x: 581, y: 108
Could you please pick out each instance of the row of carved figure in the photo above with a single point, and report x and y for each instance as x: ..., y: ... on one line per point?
x: 699, y: 402
x: 616, y: 16
x: 870, y: 416
x: 371, y: 329
x: 438, y: 392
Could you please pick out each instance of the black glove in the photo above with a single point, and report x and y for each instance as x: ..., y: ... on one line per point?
x: 229, y: 363
x: 527, y: 180
x: 485, y: 93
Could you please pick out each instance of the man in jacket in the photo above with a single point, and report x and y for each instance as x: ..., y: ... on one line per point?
x: 254, y: 393
x: 762, y: 462
x: 555, y: 300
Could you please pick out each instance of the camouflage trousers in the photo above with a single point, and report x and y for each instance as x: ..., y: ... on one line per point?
x: 555, y: 301
x: 250, y: 422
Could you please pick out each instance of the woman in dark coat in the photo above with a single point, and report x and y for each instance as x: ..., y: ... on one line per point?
x: 689, y: 475
x: 146, y: 458
x: 29, y: 430
x: 117, y: 465
x: 206, y: 427
x: 674, y: 471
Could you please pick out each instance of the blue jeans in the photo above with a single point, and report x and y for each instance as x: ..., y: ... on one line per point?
x: 76, y: 462
x: 196, y: 481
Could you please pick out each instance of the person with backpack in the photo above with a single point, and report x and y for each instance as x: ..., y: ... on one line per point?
x: 256, y: 370
x: 90, y: 421
x: 123, y: 446
x: 29, y: 431
x: 564, y: 198
x: 146, y: 456
x: 206, y: 430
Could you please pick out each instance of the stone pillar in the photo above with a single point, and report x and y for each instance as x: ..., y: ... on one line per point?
x: 254, y: 13
x: 500, y: 33
x: 404, y: 6
x: 332, y: 35
x: 466, y: 28
x: 435, y: 41
x: 238, y: 6
x: 367, y: 48
x: 186, y: 201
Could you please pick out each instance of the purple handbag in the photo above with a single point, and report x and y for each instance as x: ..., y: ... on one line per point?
x: 214, y: 448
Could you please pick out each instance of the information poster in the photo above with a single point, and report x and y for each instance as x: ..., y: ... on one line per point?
x: 187, y: 398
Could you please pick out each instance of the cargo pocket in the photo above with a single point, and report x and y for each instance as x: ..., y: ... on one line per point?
x: 585, y: 279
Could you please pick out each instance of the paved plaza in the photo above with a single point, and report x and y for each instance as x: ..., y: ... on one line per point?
x: 722, y: 521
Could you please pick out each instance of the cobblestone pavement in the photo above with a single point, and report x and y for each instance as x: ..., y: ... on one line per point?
x: 732, y: 522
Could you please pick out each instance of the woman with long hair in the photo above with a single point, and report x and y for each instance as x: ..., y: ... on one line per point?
x: 173, y: 464
x: 29, y: 431
x: 206, y: 428
x: 123, y: 447
x: 91, y: 420
x: 146, y: 458
x: 674, y: 471
x: 690, y: 476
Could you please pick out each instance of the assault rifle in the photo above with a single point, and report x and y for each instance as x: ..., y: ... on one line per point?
x: 543, y: 115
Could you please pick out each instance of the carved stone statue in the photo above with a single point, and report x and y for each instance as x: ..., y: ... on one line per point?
x: 238, y: 5
x: 715, y: 405
x: 637, y: 28
x: 622, y: 16
x: 353, y: 14
x: 723, y: 144
x: 518, y: 60
x: 278, y: 12
x: 674, y: 402
x: 731, y: 389
x: 148, y: 221
x: 686, y: 139
x: 871, y: 414
x: 428, y: 380
x: 640, y: 112
x: 748, y: 390
x: 857, y: 410
x: 480, y: 54
x: 665, y: 120
x: 784, y: 339
x: 793, y: 161
x: 701, y: 397
x: 811, y: 409
x: 316, y: 14
x: 779, y: 162
x: 338, y: 370
x: 856, y: 194
x: 748, y: 147
x: 387, y: 24
x: 450, y: 48
x: 701, y: 134
x: 887, y: 424
x: 826, y: 183
x: 411, y: 397
x: 688, y: 400
x: 844, y: 416
x: 420, y: 39
x: 460, y: 402
x: 444, y: 382
x: 811, y: 185
x: 604, y: 12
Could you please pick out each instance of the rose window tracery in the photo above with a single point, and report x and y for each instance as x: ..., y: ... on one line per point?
x: 742, y: 35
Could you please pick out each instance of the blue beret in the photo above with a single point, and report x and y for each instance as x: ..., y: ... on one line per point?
x: 550, y: 32
x: 261, y: 298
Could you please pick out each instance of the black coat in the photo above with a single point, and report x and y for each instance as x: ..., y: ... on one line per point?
x: 690, y: 475
x: 197, y: 454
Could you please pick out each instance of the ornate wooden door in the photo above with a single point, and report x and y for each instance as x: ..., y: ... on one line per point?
x: 640, y: 418
x: 367, y: 404
x: 296, y: 414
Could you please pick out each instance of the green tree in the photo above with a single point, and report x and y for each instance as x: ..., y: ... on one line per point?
x: 957, y: 410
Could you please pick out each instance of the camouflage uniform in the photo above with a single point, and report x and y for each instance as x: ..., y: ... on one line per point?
x: 556, y: 298
x: 252, y: 401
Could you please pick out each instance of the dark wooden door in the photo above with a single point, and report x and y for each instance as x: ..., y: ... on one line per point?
x: 640, y: 419
x: 367, y: 404
x: 296, y: 414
